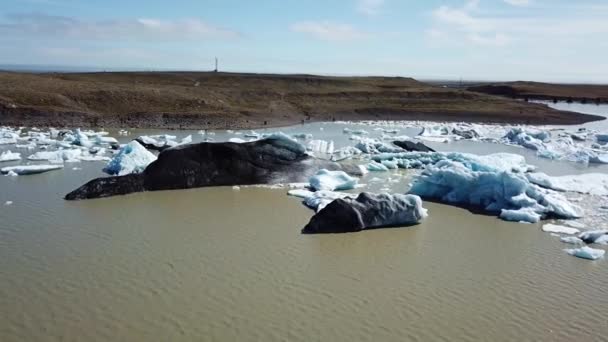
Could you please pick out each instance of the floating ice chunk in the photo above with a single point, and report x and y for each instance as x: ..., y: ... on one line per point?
x: 132, y: 158
x: 571, y: 239
x: 7, y: 156
x: 602, y: 138
x: 58, y: 156
x: 594, y: 236
x: 370, y: 146
x: 376, y: 167
x: 586, y: 253
x: 434, y: 131
x: 81, y: 139
x: 236, y: 188
x: 303, y: 136
x: 29, y: 169
x: 481, y: 185
x: 321, y: 146
x: 590, y: 183
x: 355, y: 132
x: 287, y: 142
x: 524, y: 215
x: 553, y: 228
x: 106, y: 140
x: 252, y: 134
x: 574, y: 224
x: 345, y: 153
x: 332, y: 180
x: 391, y: 165
x: 186, y: 140
x: 237, y: 140
x: 491, y: 162
x: 367, y: 211
x: 8, y: 203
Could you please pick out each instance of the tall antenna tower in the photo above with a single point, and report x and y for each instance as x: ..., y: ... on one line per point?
x: 215, y: 65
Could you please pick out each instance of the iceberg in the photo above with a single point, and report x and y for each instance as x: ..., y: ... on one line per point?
x: 58, y: 156
x: 367, y: 211
x: 373, y: 146
x: 332, y: 180
x: 595, y: 236
x: 493, y: 189
x: 554, y: 228
x: 489, y: 163
x: 377, y: 167
x: 317, y: 200
x: 590, y: 183
x: 7, y: 156
x: 321, y: 146
x: 29, y: 169
x: 586, y: 253
x: 571, y: 240
x: 132, y: 158
x: 533, y: 140
x: 237, y: 140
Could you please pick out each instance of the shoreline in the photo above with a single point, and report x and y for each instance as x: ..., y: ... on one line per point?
x: 202, y: 100
x: 191, y: 122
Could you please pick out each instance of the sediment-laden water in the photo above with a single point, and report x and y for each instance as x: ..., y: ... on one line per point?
x: 220, y: 264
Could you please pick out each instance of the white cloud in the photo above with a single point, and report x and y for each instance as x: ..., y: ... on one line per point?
x: 329, y: 31
x: 144, y: 29
x: 369, y: 7
x: 518, y: 2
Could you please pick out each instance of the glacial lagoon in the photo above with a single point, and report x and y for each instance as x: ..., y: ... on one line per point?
x: 230, y: 264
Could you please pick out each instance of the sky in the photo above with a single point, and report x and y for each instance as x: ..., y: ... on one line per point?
x: 540, y: 40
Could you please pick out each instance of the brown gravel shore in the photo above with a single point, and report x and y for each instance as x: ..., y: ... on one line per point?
x: 203, y: 100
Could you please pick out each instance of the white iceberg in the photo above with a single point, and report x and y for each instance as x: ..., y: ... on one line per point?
x: 29, y: 169
x: 320, y: 146
x: 7, y: 156
x: 58, y: 156
x: 490, y: 163
x: 571, y: 240
x: 595, y: 236
x: 554, y: 228
x: 586, y: 253
x: 237, y: 140
x: 376, y: 167
x: 487, y: 187
x: 132, y: 158
x: 589, y: 183
x: 332, y: 180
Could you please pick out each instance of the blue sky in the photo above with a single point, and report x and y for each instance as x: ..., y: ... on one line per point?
x: 549, y: 40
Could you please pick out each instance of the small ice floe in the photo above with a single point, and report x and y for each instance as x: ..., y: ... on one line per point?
x: 236, y: 188
x: 374, y: 146
x: 586, y: 252
x: 29, y: 146
x: 123, y: 132
x: 345, y: 153
x: 29, y: 169
x: 320, y: 146
x: 186, y: 140
x: 8, y: 203
x: 595, y: 236
x: 355, y: 131
x: 132, y: 158
x: 376, y: 167
x: 571, y: 240
x: 302, y: 136
x: 101, y: 140
x: 590, y: 183
x: 237, y: 140
x: 530, y: 139
x: 58, y: 156
x: 252, y: 134
x: 332, y: 180
x: 7, y: 156
x: 554, y: 228
x: 573, y: 224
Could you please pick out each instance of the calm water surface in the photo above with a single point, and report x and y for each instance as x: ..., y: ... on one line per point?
x: 219, y: 264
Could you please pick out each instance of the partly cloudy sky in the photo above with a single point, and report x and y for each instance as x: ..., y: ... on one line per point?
x: 548, y: 40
